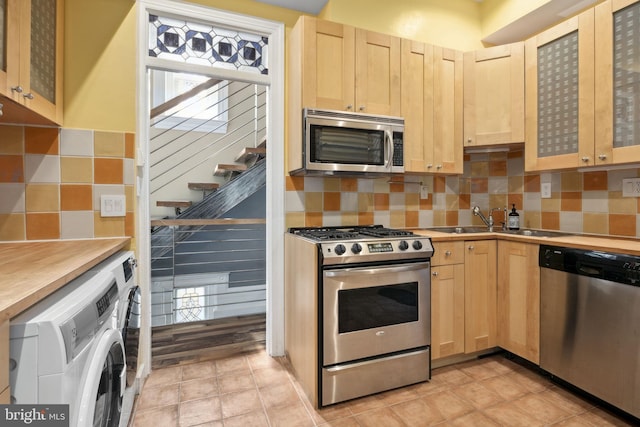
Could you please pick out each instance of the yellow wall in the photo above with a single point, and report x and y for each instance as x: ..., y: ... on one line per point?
x: 448, y: 23
x: 100, y: 65
x: 100, y: 46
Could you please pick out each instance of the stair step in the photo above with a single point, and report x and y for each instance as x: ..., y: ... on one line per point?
x: 222, y: 170
x: 174, y: 203
x: 250, y: 152
x: 203, y: 186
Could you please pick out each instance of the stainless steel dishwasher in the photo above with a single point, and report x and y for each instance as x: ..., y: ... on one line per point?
x: 590, y: 322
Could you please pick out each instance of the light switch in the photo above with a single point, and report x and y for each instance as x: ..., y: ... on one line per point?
x: 113, y: 205
x: 424, y: 192
x: 545, y: 190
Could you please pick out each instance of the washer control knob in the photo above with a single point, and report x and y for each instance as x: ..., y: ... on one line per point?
x: 340, y: 249
x: 403, y: 245
x: 417, y: 245
x: 356, y: 248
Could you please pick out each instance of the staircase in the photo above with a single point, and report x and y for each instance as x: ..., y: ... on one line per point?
x: 249, y: 163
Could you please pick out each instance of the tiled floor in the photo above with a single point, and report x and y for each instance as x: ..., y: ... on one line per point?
x: 256, y: 390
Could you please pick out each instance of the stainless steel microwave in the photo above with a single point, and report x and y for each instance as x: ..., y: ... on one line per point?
x: 337, y: 142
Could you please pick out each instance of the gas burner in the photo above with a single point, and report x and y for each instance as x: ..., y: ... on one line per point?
x: 349, y: 232
x: 384, y: 232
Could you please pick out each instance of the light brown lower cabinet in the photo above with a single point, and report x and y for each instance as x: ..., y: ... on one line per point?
x: 519, y: 299
x: 447, y: 300
x: 480, y: 288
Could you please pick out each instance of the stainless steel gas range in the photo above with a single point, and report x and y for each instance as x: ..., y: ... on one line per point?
x: 364, y: 294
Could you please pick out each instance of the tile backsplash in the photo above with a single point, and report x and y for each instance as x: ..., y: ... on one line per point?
x: 51, y: 181
x: 585, y: 202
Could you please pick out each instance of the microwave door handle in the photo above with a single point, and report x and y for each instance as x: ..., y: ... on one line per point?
x: 388, y: 141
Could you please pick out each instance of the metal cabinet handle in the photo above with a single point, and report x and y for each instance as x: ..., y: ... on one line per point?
x: 602, y: 156
x: 349, y: 107
x: 28, y: 95
x: 447, y: 253
x: 585, y: 159
x: 439, y: 167
x: 361, y: 108
x: 469, y: 140
x: 16, y: 89
x: 429, y: 166
x: 471, y: 247
x: 434, y: 274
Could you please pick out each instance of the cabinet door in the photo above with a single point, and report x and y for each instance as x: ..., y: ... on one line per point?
x: 617, y: 96
x: 559, y: 110
x: 494, y: 95
x: 448, y: 103
x: 10, y: 73
x: 417, y: 105
x: 328, y: 65
x: 519, y: 299
x: 447, y: 310
x: 42, y: 76
x: 377, y: 73
x: 480, y: 289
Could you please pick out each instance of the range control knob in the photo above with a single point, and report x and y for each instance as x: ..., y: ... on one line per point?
x: 417, y: 245
x: 340, y: 249
x: 356, y: 248
x: 403, y: 245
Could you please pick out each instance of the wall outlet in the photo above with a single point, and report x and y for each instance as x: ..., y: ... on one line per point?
x: 424, y: 192
x: 115, y: 205
x: 545, y: 190
x: 631, y: 187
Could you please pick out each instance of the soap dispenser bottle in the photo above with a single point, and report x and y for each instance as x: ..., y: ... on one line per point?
x: 514, y: 219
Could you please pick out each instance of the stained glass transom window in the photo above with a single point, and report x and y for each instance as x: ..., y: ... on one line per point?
x: 626, y: 81
x: 195, y: 43
x: 558, y: 96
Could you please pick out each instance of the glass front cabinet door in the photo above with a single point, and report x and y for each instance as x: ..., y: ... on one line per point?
x: 617, y: 75
x: 559, y: 82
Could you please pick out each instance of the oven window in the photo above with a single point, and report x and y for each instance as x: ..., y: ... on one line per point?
x: 377, y: 306
x: 346, y: 145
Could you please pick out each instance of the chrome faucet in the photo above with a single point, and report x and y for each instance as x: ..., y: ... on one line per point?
x: 489, y: 221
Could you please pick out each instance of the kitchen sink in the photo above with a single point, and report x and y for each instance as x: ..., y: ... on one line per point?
x: 522, y: 232
x: 536, y: 233
x: 460, y: 230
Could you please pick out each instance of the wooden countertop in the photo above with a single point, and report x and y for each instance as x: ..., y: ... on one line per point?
x: 30, y: 271
x: 622, y: 245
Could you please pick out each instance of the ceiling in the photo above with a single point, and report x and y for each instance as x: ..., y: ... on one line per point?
x: 307, y: 6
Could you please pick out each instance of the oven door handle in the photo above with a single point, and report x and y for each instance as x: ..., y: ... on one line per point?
x: 377, y: 270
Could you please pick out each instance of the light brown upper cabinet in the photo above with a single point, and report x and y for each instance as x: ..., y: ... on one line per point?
x: 559, y: 101
x: 432, y: 108
x: 343, y: 68
x: 617, y: 89
x: 31, y: 73
x: 494, y: 96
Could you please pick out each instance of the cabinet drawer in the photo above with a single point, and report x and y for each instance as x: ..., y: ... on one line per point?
x: 4, y: 355
x: 448, y: 253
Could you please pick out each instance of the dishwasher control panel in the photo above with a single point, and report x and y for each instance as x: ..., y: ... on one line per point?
x: 620, y: 268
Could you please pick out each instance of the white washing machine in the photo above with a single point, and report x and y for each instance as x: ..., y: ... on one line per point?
x: 122, y: 265
x: 68, y: 349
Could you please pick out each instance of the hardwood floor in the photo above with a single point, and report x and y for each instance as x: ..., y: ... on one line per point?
x: 207, y: 340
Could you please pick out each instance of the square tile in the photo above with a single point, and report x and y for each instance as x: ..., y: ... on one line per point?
x: 76, y: 224
x: 12, y: 200
x: 76, y: 142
